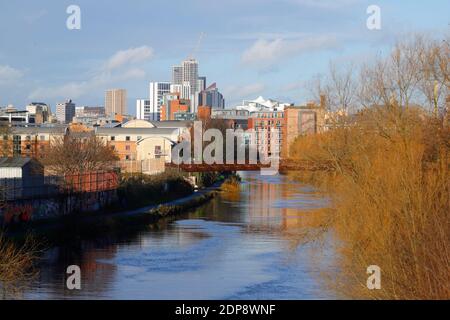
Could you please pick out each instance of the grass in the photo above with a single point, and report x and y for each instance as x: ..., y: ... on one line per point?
x: 390, y: 188
x: 231, y: 184
x: 16, y: 263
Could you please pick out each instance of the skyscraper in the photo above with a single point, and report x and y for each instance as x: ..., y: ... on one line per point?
x: 65, y: 111
x: 157, y: 92
x: 115, y: 102
x: 190, y: 73
x: 177, y: 75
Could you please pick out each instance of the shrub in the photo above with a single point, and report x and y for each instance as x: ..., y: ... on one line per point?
x: 391, y: 192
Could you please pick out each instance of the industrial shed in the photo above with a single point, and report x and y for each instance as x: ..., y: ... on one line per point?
x: 20, y: 178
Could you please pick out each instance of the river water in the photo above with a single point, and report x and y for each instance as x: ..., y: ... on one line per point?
x: 246, y: 245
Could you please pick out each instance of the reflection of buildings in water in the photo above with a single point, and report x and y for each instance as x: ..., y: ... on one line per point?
x: 261, y: 198
x: 265, y: 211
x: 96, y: 276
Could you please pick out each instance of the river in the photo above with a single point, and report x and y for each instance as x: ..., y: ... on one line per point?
x: 246, y: 245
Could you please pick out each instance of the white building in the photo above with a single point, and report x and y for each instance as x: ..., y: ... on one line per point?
x: 261, y: 104
x: 183, y: 89
x: 157, y: 92
x: 65, y: 111
x: 143, y: 109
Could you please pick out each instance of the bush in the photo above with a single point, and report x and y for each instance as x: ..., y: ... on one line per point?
x: 139, y: 189
x: 391, y: 192
x: 16, y: 263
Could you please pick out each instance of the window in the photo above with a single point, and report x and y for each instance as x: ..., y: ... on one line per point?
x: 113, y: 138
x: 127, y: 157
x: 158, y: 152
x: 17, y: 145
x: 127, y: 138
x: 42, y: 138
x: 28, y: 146
x: 127, y: 148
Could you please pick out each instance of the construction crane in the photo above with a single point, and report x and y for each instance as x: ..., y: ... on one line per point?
x: 197, y: 46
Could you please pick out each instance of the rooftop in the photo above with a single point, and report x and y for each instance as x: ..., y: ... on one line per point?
x: 14, y: 162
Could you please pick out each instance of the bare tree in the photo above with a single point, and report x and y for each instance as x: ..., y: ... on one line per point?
x: 5, y: 132
x: 341, y: 87
x: 74, y: 155
x: 432, y: 59
x: 317, y: 87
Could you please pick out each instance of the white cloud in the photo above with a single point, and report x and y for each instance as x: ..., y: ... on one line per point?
x: 245, y: 91
x: 265, y: 53
x: 132, y: 55
x: 115, y: 70
x: 9, y: 75
x: 325, y: 4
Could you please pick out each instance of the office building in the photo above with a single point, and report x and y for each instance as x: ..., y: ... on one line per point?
x: 40, y: 110
x: 172, y: 105
x: 65, y: 111
x: 157, y: 92
x: 201, y: 83
x: 211, y: 97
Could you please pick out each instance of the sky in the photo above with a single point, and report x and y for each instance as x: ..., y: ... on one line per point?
x: 249, y: 47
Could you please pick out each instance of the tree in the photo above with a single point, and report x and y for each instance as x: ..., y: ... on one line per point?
x: 341, y: 87
x: 5, y: 132
x: 74, y: 155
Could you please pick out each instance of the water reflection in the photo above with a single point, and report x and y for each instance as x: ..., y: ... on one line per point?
x: 237, y: 246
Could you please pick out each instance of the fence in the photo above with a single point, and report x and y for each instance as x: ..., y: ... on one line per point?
x: 35, y: 198
x: 148, y: 166
x: 34, y: 187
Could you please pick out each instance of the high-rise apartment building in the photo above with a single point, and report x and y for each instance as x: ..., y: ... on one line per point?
x: 143, y: 109
x: 65, y: 111
x: 177, y: 75
x: 116, y: 102
x: 187, y: 83
x: 157, y: 92
x: 190, y: 73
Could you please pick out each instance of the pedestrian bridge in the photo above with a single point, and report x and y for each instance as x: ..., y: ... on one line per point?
x: 284, y: 165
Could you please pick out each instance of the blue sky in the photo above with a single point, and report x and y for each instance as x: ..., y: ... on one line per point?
x: 250, y: 47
